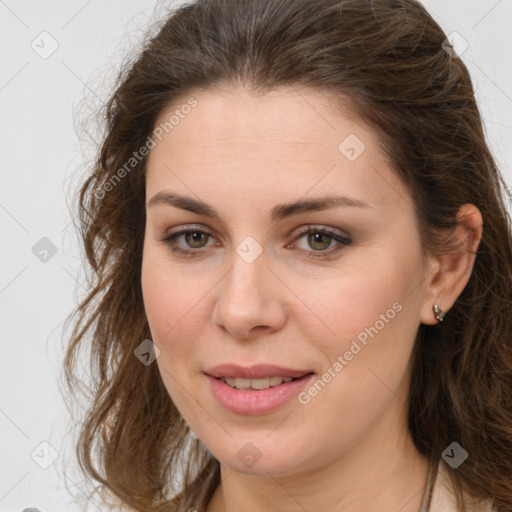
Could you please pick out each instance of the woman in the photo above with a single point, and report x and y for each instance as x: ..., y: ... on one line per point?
x: 303, y: 269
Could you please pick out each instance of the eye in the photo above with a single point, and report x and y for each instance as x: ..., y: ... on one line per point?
x: 320, y: 239
x: 195, y: 239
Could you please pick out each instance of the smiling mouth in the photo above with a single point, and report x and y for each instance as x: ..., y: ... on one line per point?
x: 258, y: 384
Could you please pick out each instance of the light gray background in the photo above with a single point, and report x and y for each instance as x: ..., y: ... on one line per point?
x: 41, y: 162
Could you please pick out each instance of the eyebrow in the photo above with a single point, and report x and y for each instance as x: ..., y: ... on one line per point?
x: 278, y: 212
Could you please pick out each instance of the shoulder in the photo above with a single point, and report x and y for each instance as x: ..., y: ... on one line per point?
x: 444, y: 500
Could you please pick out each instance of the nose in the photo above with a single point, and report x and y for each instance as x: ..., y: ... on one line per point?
x: 249, y: 302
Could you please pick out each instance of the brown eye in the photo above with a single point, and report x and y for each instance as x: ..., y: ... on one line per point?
x: 319, y: 241
x: 196, y: 239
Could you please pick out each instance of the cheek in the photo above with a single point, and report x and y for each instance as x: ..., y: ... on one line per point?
x: 178, y: 307
x: 371, y: 315
x: 171, y: 310
x: 358, y: 298
x: 374, y: 321
x: 170, y: 300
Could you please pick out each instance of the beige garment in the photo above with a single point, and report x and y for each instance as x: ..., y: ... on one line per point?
x: 443, y: 499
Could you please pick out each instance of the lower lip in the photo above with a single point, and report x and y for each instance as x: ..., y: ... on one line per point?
x: 252, y: 402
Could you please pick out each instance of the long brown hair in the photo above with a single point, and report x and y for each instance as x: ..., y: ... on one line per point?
x: 389, y: 59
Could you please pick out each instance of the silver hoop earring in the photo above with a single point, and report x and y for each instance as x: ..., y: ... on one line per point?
x: 439, y: 313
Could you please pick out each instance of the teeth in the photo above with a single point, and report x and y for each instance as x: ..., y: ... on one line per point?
x: 255, y: 383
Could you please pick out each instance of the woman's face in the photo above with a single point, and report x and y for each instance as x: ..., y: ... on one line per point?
x: 247, y: 285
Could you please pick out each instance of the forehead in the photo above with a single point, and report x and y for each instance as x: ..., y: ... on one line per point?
x: 274, y: 121
x: 288, y: 139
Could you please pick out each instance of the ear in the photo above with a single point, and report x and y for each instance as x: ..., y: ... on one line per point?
x: 450, y: 271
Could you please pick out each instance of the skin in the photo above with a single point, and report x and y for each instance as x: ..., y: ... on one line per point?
x: 349, y: 448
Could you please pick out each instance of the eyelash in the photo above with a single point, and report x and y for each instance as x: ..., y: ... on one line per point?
x: 170, y: 240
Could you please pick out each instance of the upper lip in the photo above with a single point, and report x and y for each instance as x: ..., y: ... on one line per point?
x: 258, y: 371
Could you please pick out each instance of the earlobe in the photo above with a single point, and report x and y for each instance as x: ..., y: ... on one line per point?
x: 455, y: 266
x: 431, y: 296
x: 439, y: 313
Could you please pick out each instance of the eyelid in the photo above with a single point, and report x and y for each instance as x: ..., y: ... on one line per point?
x: 188, y: 227
x: 321, y: 228
x: 184, y: 228
x: 294, y: 232
x: 340, y: 239
x: 338, y: 236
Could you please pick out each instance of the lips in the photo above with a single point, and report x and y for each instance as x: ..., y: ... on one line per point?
x: 259, y: 371
x: 253, y: 402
